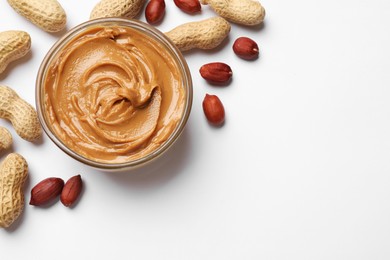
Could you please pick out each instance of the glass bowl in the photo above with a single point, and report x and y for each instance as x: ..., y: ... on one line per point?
x: 72, y: 104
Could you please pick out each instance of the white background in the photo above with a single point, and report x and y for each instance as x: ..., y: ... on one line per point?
x: 300, y: 170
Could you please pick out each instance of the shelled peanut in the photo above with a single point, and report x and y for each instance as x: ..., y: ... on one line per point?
x: 13, y: 45
x: 46, y: 14
x: 13, y: 174
x: 50, y: 188
x: 46, y: 190
x: 155, y: 11
x: 213, y: 110
x: 188, y: 6
x: 71, y: 191
x: 216, y: 72
x: 246, y: 48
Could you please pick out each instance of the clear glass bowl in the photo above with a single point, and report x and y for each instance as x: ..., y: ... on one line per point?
x: 148, y: 31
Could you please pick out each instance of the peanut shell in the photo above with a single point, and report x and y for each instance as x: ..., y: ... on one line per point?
x: 22, y: 115
x: 204, y: 34
x: 13, y: 45
x: 245, y: 12
x: 5, y: 139
x: 117, y: 8
x: 13, y: 175
x: 46, y: 14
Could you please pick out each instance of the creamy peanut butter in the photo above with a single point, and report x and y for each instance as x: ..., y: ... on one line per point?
x: 113, y: 94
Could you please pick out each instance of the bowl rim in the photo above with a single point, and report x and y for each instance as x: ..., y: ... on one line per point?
x: 143, y: 27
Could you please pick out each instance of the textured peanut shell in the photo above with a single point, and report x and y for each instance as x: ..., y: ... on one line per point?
x: 245, y: 12
x: 205, y: 34
x: 21, y: 114
x: 13, y: 175
x: 46, y: 14
x: 5, y: 139
x: 13, y: 45
x: 117, y: 8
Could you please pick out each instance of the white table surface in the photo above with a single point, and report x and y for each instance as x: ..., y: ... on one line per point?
x: 300, y: 170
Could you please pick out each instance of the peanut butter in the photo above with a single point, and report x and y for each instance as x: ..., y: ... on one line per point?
x: 113, y: 94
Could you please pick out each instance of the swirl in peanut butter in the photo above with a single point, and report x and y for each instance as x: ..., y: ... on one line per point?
x: 113, y: 95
